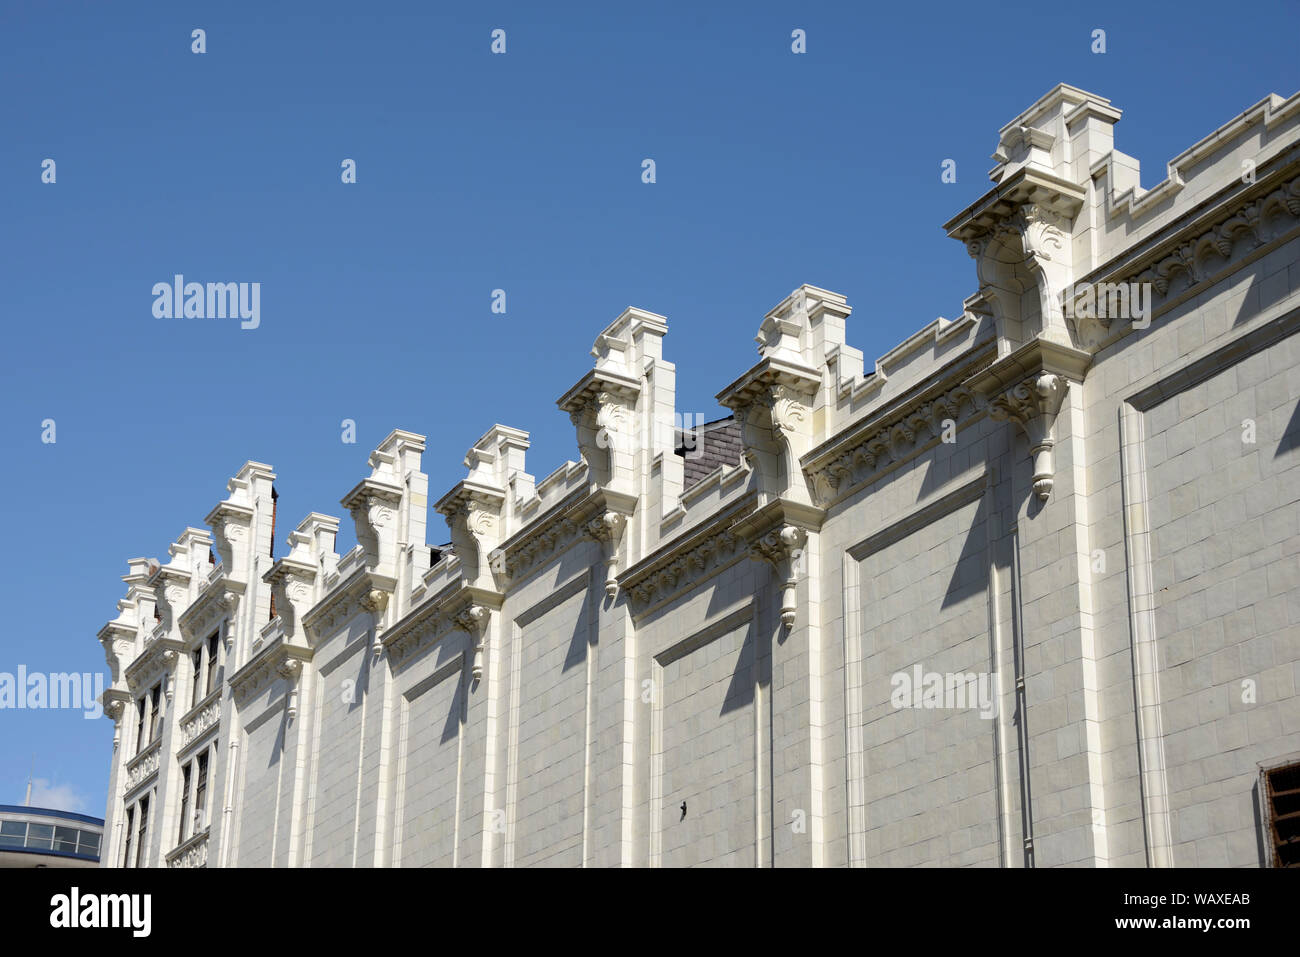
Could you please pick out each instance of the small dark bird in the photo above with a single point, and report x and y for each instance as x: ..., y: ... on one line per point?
x: 683, y: 817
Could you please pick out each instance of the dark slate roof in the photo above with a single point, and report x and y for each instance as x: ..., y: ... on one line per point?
x: 712, y: 444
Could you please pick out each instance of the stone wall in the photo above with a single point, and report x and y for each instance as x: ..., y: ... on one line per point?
x: 1024, y: 593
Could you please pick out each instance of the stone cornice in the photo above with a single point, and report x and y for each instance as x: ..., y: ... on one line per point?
x: 465, y: 494
x: 563, y: 525
x: 115, y: 631
x: 200, y: 720
x: 278, y: 659
x: 369, y: 489
x: 287, y: 569
x: 1028, y: 187
x: 457, y: 608
x: 143, y: 766
x: 218, y: 600
x: 865, y: 450
x: 225, y: 512
x: 169, y: 577
x: 158, y: 658
x: 726, y: 538
x: 1036, y: 356
x: 588, y: 389
x: 1218, y: 231
x: 343, y: 602
x: 764, y: 377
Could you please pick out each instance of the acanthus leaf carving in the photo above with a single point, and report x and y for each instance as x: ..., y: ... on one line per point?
x: 1033, y: 405
x: 783, y: 548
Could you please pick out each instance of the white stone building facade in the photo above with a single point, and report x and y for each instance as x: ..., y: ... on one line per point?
x: 1088, y: 505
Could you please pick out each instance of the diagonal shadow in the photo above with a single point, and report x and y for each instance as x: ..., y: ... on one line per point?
x: 451, y: 727
x: 970, y: 574
x: 740, y: 691
x: 362, y: 685
x: 1291, y: 436
x: 577, y: 652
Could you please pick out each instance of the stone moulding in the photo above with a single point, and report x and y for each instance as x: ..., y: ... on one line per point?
x: 692, y: 557
x: 1028, y: 187
x: 1268, y: 112
x: 155, y: 663
x: 215, y: 603
x: 863, y: 452
x: 1027, y: 388
x: 566, y: 524
x: 192, y: 853
x: 457, y: 608
x: 143, y: 766
x: 344, y: 602
x: 774, y: 532
x: 200, y: 719
x: 937, y: 333
x: 1250, y: 220
x: 277, y: 660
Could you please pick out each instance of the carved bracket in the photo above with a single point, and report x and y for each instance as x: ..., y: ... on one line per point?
x: 604, y: 415
x: 473, y: 620
x: 290, y: 670
x: 783, y: 548
x: 607, y: 529
x: 375, y: 601
x: 774, y: 408
x: 1033, y: 405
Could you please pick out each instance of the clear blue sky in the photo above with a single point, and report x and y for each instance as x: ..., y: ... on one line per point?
x: 475, y: 172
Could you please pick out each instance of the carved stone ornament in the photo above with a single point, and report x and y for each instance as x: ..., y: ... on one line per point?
x: 375, y: 601
x: 290, y: 671
x: 783, y: 548
x: 607, y: 529
x: 1033, y: 405
x: 473, y: 621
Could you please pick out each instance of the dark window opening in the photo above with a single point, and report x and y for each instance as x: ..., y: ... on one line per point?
x: 1282, y: 806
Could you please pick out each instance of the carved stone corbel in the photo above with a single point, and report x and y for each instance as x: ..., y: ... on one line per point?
x: 775, y: 415
x: 231, y: 601
x: 1033, y: 405
x: 115, y: 709
x: 473, y: 620
x: 604, y: 417
x: 607, y: 529
x: 375, y: 601
x: 783, y: 549
x: 290, y: 670
x: 1047, y: 255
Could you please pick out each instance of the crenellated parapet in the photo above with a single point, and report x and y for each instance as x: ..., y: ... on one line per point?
x: 177, y: 583
x: 624, y: 413
x: 476, y: 508
x: 777, y: 400
x: 587, y: 641
x: 613, y: 409
x: 374, y: 503
x: 234, y: 522
x: 297, y: 579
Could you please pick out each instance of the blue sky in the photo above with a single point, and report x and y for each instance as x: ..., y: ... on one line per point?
x: 475, y: 172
